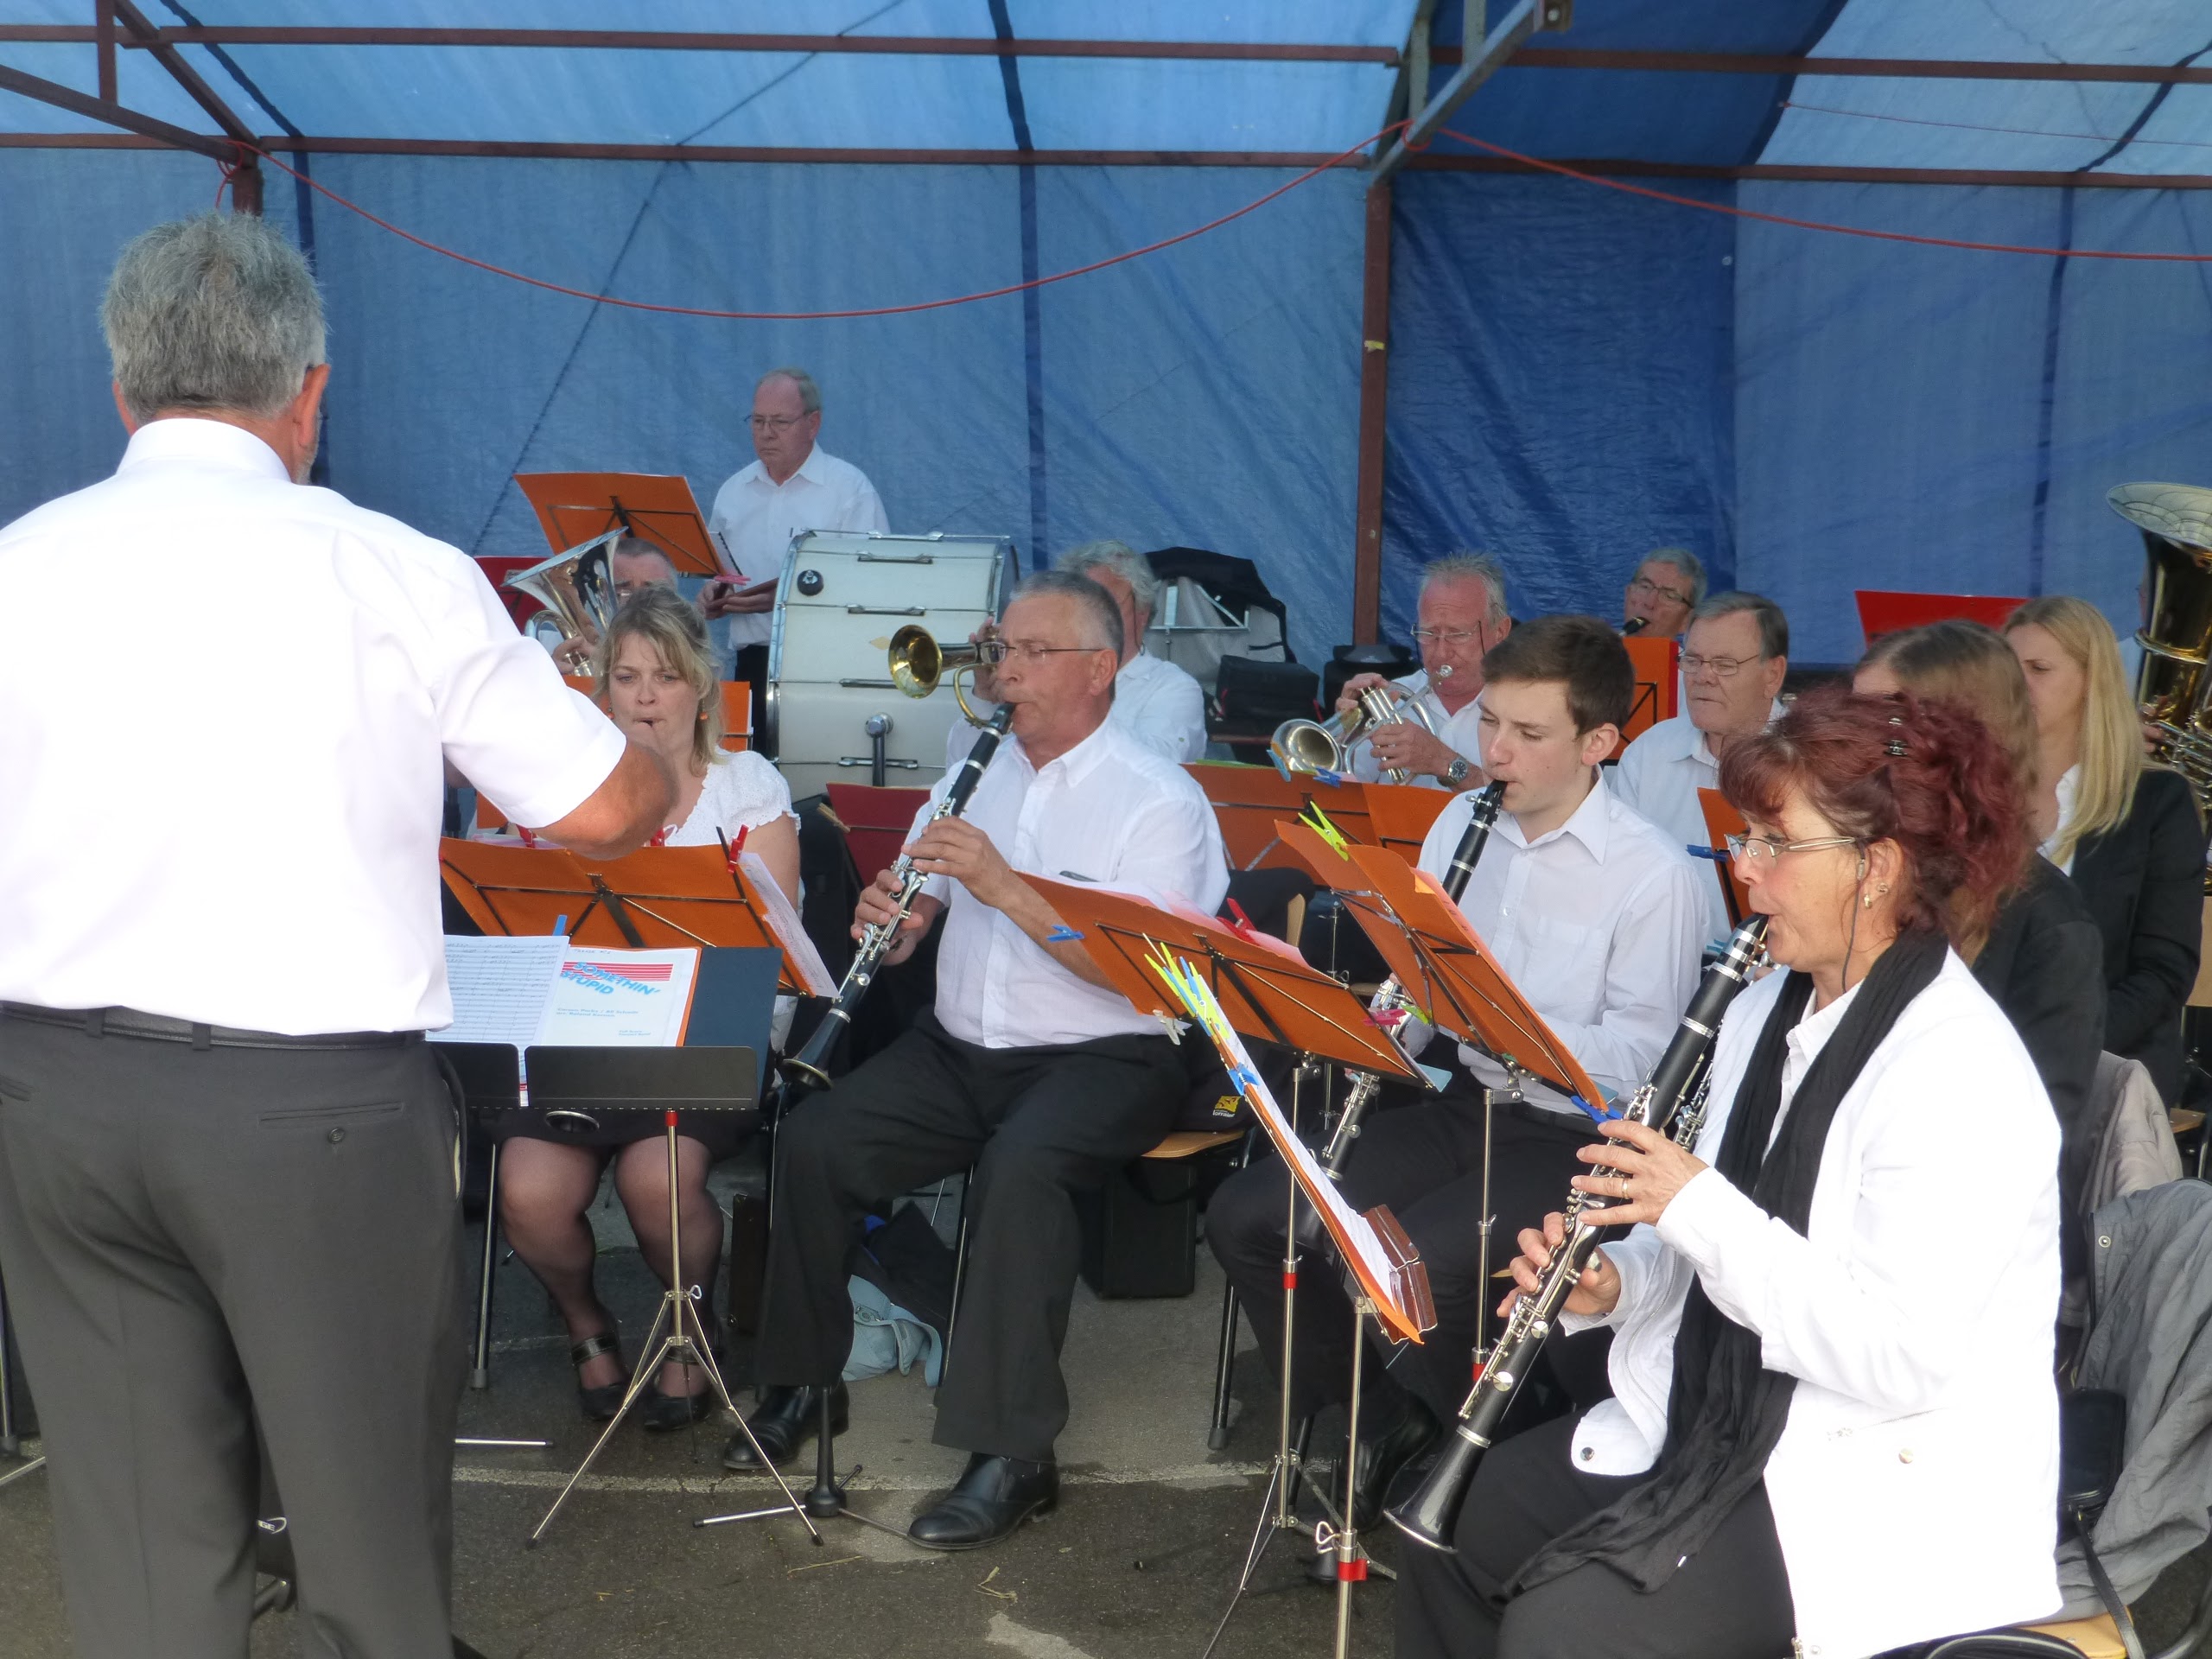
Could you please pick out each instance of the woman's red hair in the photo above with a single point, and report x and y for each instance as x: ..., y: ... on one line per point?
x: 1949, y: 799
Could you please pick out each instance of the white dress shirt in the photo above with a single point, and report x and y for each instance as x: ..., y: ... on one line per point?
x: 1154, y: 702
x: 2069, y: 790
x: 1921, y: 1454
x: 1110, y: 812
x: 337, y: 659
x: 1460, y: 733
x: 756, y: 518
x: 1598, y: 923
x: 1660, y: 774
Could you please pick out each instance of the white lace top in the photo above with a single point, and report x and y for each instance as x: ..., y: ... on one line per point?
x: 743, y: 790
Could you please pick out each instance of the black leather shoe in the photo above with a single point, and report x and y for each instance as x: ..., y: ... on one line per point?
x: 993, y: 1497
x: 1381, y: 1454
x: 785, y: 1420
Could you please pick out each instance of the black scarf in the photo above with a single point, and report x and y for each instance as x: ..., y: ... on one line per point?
x: 1725, y: 1410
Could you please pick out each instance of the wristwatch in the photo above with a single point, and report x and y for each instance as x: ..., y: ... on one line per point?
x: 1456, y: 774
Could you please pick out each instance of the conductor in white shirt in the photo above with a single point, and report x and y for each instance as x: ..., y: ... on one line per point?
x: 792, y: 485
x: 1596, y: 917
x: 1031, y: 1070
x: 1733, y: 662
x: 1461, y: 615
x: 226, y: 1157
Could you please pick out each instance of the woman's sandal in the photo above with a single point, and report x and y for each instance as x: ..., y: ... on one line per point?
x: 599, y: 1404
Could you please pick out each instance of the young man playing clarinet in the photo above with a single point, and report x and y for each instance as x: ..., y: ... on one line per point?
x: 1030, y: 1069
x: 1598, y: 918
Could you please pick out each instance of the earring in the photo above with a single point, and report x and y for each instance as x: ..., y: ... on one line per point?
x: 1866, y: 901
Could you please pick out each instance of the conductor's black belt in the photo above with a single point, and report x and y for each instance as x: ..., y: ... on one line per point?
x: 161, y: 1028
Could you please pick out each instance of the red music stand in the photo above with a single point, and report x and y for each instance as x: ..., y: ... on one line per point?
x: 1881, y: 611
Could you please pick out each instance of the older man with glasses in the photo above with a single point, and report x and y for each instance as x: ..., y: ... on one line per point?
x: 1462, y: 614
x: 1667, y: 587
x: 1732, y: 666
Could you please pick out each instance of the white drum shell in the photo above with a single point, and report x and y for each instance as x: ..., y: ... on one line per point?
x: 828, y: 672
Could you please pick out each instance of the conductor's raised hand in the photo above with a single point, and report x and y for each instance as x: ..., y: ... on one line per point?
x: 879, y: 907
x: 957, y: 849
x: 1597, y: 1291
x: 1644, y: 1170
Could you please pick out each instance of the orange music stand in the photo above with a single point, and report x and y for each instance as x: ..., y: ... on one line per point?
x: 1247, y: 801
x: 1722, y: 820
x: 1401, y: 815
x: 737, y: 714
x: 575, y: 508
x: 657, y: 898
x: 1441, y: 962
x: 1658, y: 686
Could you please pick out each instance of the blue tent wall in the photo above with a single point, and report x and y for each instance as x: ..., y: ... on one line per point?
x: 1559, y: 386
x: 1205, y: 395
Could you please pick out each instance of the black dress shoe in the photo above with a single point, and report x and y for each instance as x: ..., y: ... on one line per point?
x: 993, y: 1497
x: 786, y: 1419
x: 1381, y: 1454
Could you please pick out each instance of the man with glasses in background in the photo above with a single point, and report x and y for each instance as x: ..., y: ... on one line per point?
x: 1667, y: 587
x: 1732, y: 666
x: 794, y: 484
x: 1462, y: 614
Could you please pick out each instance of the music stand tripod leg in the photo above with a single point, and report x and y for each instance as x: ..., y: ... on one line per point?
x: 480, y: 1374
x: 682, y: 1346
x: 1352, y: 1560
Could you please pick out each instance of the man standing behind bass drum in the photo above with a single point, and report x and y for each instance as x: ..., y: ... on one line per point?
x: 1599, y: 919
x: 1821, y: 1440
x: 1031, y: 1069
x: 226, y: 1158
x: 1462, y: 614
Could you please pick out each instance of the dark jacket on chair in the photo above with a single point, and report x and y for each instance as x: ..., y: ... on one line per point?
x: 2145, y: 883
x: 2041, y: 966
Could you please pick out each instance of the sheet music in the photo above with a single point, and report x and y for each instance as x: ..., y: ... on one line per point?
x: 620, y: 999
x: 500, y: 987
x: 783, y: 924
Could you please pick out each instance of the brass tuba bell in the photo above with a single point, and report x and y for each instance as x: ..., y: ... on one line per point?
x: 2171, y: 686
x: 919, y: 663
x: 576, y: 588
x: 1306, y: 747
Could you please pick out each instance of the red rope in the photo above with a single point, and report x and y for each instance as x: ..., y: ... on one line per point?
x: 1626, y: 188
x: 823, y: 316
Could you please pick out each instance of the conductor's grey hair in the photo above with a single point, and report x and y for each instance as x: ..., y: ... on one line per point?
x: 1691, y: 566
x: 1468, y: 566
x: 1092, y: 601
x: 1124, y: 561
x: 809, y: 394
x: 218, y: 312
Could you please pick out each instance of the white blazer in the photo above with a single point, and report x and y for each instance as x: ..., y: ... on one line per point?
x: 1915, y: 1489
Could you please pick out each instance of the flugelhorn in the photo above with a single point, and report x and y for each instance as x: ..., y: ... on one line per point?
x: 1304, y: 747
x: 919, y: 663
x: 2171, y: 686
x: 576, y: 588
x: 1430, y: 1515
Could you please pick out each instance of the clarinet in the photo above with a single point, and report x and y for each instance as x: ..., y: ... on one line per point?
x: 1388, y: 997
x: 1428, y: 1516
x: 809, y: 1068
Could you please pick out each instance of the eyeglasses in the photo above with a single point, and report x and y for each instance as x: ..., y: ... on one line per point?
x: 1027, y: 651
x: 1424, y: 638
x: 1652, y: 589
x: 776, y: 422
x: 1724, y: 668
x: 1765, y: 849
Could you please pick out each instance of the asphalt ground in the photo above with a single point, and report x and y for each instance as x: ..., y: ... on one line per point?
x: 1139, y: 1561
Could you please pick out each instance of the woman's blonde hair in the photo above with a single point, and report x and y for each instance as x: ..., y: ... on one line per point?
x: 1968, y: 663
x: 2112, y: 739
x: 664, y: 619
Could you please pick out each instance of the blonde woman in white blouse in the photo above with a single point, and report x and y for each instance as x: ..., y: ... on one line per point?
x: 655, y: 680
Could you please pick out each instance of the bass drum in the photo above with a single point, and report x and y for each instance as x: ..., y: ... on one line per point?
x: 843, y: 594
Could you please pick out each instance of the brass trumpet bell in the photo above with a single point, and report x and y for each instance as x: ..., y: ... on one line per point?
x: 576, y: 588
x: 919, y: 665
x: 1306, y: 747
x: 2171, y: 686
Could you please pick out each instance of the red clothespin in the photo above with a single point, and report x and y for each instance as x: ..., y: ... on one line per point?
x: 1242, y: 926
x: 528, y: 840
x: 738, y: 846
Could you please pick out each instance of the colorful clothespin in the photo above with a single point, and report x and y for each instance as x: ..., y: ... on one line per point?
x: 1318, y: 821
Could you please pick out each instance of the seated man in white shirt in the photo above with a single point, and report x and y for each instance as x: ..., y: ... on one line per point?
x: 1667, y: 587
x: 1462, y: 614
x: 1031, y: 1070
x: 792, y: 485
x: 1156, y: 702
x: 1596, y: 918
x: 1732, y: 666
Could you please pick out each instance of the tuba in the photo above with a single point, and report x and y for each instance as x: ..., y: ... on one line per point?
x: 2171, y: 686
x: 918, y: 663
x: 1306, y: 747
x: 576, y: 588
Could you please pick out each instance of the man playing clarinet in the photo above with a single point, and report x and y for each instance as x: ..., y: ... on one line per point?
x: 1030, y: 1069
x: 1598, y: 918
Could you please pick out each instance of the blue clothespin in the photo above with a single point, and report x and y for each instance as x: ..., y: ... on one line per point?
x: 1063, y: 935
x: 1718, y: 855
x: 1595, y: 1117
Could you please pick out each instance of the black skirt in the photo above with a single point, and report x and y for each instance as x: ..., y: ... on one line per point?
x: 720, y: 1133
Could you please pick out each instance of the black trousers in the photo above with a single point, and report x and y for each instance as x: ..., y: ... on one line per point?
x: 1730, y: 1600
x: 1037, y: 1123
x: 1425, y: 1160
x: 193, y: 1240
